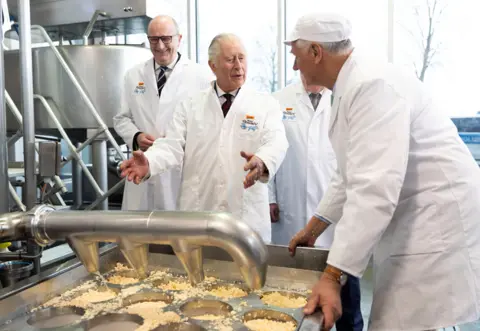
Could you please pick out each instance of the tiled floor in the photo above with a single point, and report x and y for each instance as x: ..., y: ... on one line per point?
x: 366, y: 287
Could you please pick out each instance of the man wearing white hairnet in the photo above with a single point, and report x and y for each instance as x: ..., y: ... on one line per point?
x: 303, y: 178
x: 406, y: 189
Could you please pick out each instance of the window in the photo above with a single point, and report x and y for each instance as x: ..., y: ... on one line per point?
x: 452, y: 67
x: 255, y: 22
x: 369, y: 31
x: 176, y: 9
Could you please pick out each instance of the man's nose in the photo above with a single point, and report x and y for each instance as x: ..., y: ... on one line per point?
x: 161, y: 46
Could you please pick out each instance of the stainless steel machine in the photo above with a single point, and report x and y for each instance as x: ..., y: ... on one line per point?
x: 75, y: 84
x: 193, y: 237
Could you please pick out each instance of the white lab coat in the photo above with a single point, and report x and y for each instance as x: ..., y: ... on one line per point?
x: 304, y: 175
x: 209, y: 147
x: 408, y: 189
x: 144, y: 111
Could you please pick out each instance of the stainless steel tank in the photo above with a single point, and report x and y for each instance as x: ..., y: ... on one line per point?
x: 99, y: 69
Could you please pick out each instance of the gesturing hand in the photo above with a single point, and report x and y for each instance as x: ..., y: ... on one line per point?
x: 135, y: 168
x: 256, y: 167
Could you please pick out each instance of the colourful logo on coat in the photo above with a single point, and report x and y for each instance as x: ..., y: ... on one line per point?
x: 140, y: 89
x: 289, y: 114
x: 249, y: 123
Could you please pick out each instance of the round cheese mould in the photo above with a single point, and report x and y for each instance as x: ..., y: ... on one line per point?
x: 147, y: 297
x: 180, y: 327
x: 114, y: 322
x: 126, y: 274
x: 199, y: 309
x: 164, y: 282
x: 217, y: 289
x: 54, y: 318
x: 287, y: 295
x: 270, y: 315
x: 101, y: 289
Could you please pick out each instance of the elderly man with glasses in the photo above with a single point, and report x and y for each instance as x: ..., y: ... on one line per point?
x: 151, y: 91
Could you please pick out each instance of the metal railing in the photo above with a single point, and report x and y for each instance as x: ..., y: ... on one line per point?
x: 74, y: 151
x: 12, y: 140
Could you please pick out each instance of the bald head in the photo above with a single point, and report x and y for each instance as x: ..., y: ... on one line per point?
x: 164, y: 37
x: 164, y: 20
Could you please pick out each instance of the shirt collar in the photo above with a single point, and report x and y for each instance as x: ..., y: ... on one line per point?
x: 170, y: 66
x: 320, y: 93
x: 220, y: 92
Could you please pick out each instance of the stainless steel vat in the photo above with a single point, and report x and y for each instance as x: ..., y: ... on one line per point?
x: 99, y: 69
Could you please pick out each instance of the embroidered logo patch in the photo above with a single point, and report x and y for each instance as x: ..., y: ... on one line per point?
x: 140, y: 88
x: 289, y: 114
x: 249, y: 123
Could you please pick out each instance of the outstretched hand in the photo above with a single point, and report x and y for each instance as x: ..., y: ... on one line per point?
x: 135, y: 168
x: 254, y: 166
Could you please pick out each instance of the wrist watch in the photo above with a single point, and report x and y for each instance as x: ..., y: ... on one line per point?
x: 337, y: 274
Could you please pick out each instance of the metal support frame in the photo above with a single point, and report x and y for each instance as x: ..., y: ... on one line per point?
x: 103, y: 129
x: 60, y: 185
x: 26, y: 71
x: 70, y: 145
x: 100, y: 168
x: 4, y: 205
x: 77, y: 181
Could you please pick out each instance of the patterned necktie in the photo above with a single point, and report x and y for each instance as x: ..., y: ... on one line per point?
x: 161, y: 80
x: 227, y: 104
x: 315, y: 99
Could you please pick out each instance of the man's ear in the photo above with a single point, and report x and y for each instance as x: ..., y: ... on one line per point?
x: 317, y: 52
x: 212, y: 66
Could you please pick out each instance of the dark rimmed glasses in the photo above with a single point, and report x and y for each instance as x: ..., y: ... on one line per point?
x: 165, y: 39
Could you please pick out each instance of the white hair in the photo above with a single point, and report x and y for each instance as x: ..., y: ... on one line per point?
x: 214, y: 48
x: 337, y: 48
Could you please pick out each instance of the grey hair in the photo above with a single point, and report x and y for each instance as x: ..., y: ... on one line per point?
x: 214, y: 48
x: 337, y: 48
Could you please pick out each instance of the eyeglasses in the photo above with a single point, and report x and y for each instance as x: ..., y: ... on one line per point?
x: 165, y: 39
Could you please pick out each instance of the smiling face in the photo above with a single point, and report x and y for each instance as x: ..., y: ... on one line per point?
x: 164, y: 39
x: 230, y: 64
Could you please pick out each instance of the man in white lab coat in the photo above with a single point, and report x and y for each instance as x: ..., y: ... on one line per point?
x: 303, y: 178
x: 217, y: 136
x: 151, y: 91
x: 406, y: 189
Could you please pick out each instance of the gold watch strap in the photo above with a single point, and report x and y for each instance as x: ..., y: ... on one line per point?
x: 334, y: 272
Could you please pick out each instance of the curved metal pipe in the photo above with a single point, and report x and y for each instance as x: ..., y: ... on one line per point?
x: 185, y: 231
x: 90, y: 25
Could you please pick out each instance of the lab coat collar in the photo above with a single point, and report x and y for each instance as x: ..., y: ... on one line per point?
x: 304, y: 97
x: 342, y: 79
x: 220, y: 92
x: 340, y: 86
